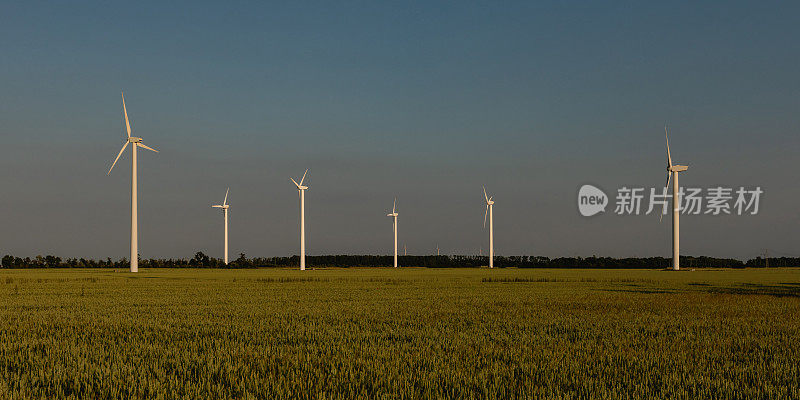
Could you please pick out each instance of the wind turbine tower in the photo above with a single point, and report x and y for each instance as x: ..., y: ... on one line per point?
x: 394, y: 226
x: 224, y: 206
x: 136, y: 143
x: 489, y: 205
x: 302, y: 191
x: 676, y: 205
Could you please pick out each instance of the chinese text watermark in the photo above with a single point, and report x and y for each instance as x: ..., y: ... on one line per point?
x: 694, y: 201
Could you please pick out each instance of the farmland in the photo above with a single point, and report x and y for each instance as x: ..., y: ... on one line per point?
x: 405, y: 333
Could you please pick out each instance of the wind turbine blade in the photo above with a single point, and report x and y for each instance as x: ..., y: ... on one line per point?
x: 117, y: 159
x: 217, y: 206
x: 669, y: 156
x: 295, y: 182
x: 666, y: 190
x: 140, y: 144
x: 304, y: 176
x: 394, y: 205
x: 127, y: 124
x: 484, y: 216
x: 225, y: 202
x: 484, y: 194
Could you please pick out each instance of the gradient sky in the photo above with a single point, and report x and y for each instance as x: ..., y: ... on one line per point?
x: 424, y: 101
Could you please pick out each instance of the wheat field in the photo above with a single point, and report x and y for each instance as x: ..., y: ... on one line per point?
x: 405, y: 333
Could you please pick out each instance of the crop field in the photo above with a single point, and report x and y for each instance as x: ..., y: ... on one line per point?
x: 405, y: 333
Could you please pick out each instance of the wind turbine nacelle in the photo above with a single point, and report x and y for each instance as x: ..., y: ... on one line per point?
x: 678, y: 168
x: 135, y: 139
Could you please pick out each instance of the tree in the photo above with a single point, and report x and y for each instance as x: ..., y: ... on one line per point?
x: 241, y: 262
x: 200, y: 259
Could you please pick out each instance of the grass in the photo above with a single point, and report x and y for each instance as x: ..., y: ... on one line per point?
x: 407, y: 333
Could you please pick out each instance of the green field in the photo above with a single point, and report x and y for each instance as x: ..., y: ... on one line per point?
x: 406, y: 333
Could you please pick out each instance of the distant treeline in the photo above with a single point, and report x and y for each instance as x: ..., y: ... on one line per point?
x: 201, y: 260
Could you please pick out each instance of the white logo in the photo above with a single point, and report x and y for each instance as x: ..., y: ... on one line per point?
x: 695, y: 201
x: 591, y: 200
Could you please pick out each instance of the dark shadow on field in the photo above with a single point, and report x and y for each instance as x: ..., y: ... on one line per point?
x: 783, y: 289
x: 650, y: 286
x: 640, y: 290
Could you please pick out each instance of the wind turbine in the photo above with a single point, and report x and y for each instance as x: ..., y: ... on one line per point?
x: 224, y: 206
x: 489, y: 204
x: 394, y: 225
x: 676, y: 205
x: 137, y: 142
x: 302, y: 190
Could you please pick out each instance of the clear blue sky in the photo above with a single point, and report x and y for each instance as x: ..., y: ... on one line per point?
x: 424, y: 101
